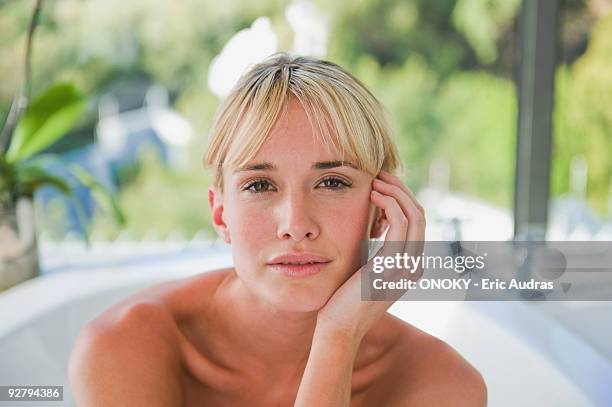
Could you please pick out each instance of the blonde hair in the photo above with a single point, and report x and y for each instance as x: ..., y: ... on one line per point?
x: 346, y: 114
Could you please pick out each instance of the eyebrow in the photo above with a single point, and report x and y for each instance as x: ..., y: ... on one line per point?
x: 320, y: 165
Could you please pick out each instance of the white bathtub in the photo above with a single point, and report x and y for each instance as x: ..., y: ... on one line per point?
x: 526, y: 358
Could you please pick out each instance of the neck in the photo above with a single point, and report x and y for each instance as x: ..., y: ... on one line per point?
x: 255, y: 334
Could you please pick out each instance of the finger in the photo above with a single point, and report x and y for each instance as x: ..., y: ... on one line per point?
x: 393, y: 179
x: 416, y: 227
x: 395, y: 240
x: 398, y: 223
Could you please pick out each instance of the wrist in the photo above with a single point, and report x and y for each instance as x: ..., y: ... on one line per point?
x: 337, y: 335
x: 336, y: 348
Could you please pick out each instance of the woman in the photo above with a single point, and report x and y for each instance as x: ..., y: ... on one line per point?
x: 302, y: 164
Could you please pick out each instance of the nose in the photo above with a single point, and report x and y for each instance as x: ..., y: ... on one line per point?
x: 295, y: 219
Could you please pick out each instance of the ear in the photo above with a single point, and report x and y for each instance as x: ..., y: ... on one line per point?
x: 379, y: 223
x: 215, y: 200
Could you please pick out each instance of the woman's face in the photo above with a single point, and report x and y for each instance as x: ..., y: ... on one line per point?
x: 294, y: 196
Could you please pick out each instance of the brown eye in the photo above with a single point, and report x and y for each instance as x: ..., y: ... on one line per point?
x: 335, y: 183
x: 258, y: 186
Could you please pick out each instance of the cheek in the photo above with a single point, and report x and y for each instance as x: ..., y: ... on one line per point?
x: 350, y: 222
x: 249, y: 227
x: 249, y: 223
x: 350, y: 218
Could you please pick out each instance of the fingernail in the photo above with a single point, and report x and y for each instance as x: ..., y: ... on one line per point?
x: 376, y: 192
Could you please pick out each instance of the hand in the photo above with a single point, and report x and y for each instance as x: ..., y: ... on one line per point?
x: 345, y: 312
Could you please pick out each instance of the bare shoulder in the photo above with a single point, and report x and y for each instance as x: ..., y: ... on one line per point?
x: 428, y: 371
x: 130, y: 354
x: 126, y: 360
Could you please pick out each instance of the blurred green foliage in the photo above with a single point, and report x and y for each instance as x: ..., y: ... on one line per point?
x: 583, y: 118
x: 160, y: 201
x: 442, y: 68
x: 50, y: 116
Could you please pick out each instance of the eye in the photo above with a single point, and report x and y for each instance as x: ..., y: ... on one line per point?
x: 336, y: 183
x: 257, y: 186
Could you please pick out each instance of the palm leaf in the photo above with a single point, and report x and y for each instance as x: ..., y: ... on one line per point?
x: 47, y: 119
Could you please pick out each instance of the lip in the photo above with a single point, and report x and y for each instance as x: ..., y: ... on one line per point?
x: 298, y: 258
x: 298, y: 270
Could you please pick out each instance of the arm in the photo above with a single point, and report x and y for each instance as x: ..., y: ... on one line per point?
x: 327, y: 376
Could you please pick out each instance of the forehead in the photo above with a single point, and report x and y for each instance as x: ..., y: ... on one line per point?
x: 293, y: 136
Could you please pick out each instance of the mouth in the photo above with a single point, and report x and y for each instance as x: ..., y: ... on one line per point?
x: 298, y: 270
x: 298, y: 265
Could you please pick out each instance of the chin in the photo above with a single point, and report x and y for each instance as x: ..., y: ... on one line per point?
x: 298, y: 298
